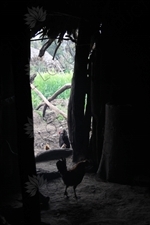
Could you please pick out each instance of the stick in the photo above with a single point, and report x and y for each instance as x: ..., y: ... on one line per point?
x: 47, y: 102
x: 58, y: 92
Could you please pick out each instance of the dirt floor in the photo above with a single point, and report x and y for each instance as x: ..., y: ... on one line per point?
x: 46, y: 130
x: 98, y: 203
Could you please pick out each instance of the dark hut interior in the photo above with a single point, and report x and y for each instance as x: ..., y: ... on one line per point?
x: 112, y: 68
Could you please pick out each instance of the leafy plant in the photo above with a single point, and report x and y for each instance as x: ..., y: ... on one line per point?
x: 39, y: 112
x: 60, y: 118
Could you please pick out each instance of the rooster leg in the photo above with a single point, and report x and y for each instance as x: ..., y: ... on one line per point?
x: 74, y: 188
x: 66, y: 193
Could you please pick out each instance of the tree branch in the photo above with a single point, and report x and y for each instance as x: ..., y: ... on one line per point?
x: 58, y: 92
x: 56, y: 49
x: 32, y: 78
x: 45, y: 46
x: 47, y: 102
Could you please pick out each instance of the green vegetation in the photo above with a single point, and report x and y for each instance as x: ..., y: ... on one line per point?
x: 48, y: 80
x: 60, y: 118
x: 48, y: 84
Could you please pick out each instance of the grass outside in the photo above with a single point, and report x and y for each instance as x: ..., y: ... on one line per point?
x: 48, y: 84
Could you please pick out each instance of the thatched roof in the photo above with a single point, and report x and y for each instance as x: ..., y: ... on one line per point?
x: 46, y: 58
x: 61, y: 22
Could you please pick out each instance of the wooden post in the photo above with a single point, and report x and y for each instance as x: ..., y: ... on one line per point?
x: 115, y: 165
x: 78, y: 90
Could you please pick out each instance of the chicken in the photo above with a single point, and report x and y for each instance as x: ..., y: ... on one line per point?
x: 72, y: 177
x: 46, y: 147
x: 63, y: 139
